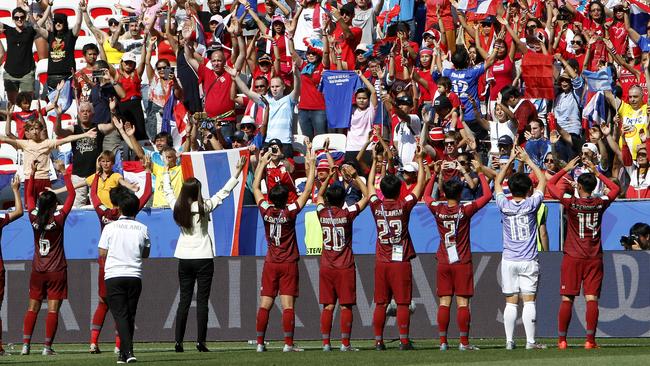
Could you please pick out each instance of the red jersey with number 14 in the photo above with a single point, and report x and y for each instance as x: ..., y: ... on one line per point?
x: 336, y: 224
x: 585, y: 217
x: 280, y: 229
x: 392, y: 220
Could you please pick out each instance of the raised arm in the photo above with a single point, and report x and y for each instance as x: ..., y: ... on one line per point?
x: 92, y: 133
x: 77, y: 25
x: 67, y: 205
x: 370, y: 183
x: 15, y: 188
x: 259, y: 173
x: 241, y: 85
x: 310, y: 166
x: 498, y: 181
x: 320, y: 198
x: 553, y: 189
x: 419, y: 186
x: 541, y: 178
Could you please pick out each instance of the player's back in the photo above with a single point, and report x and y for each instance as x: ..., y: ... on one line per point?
x: 454, y: 228
x: 336, y: 224
x: 519, y: 218
x: 392, y: 220
x: 584, y: 216
x: 280, y: 230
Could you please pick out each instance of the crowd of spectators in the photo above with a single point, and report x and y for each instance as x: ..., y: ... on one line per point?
x: 149, y: 79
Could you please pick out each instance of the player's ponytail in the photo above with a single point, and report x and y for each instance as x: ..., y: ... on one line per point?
x: 45, y: 204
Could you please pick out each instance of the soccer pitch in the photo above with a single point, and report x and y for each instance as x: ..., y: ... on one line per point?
x: 619, y: 351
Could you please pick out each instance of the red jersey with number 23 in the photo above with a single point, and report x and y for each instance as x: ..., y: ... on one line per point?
x: 392, y: 220
x: 280, y: 229
x: 336, y: 224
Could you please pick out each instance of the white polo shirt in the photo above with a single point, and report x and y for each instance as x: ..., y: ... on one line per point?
x: 124, y: 239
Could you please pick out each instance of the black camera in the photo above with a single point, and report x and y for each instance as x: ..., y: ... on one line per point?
x: 274, y: 149
x: 208, y: 125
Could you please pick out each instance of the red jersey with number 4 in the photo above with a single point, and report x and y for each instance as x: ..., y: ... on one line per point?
x: 4, y: 221
x: 392, y: 220
x: 49, y: 255
x: 280, y: 229
x: 336, y: 224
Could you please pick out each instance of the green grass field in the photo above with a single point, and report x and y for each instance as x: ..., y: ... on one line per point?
x: 625, y: 351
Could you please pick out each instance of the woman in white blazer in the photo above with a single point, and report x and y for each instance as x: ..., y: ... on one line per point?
x: 194, y: 250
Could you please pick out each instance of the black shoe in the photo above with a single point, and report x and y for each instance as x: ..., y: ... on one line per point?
x: 380, y: 346
x: 121, y: 358
x: 201, y: 347
x: 178, y: 347
x: 406, y: 346
x: 130, y: 358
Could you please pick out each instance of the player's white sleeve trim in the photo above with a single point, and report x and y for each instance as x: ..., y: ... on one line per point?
x: 409, y: 198
x: 292, y: 207
x: 352, y: 208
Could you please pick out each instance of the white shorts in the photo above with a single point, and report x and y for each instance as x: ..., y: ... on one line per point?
x: 519, y: 276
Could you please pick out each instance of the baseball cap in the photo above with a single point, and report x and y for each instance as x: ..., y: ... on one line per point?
x: 247, y: 120
x: 363, y: 47
x: 591, y: 147
x: 216, y: 18
x: 564, y: 75
x: 274, y: 142
x: 442, y: 102
x: 264, y: 58
x: 348, y: 8
x: 505, y: 140
x: 411, y: 167
x: 323, y: 164
x: 277, y: 18
x: 238, y: 136
x: 129, y: 56
x: 436, y: 134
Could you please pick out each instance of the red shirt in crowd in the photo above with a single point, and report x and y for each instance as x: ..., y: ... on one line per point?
x: 310, y: 97
x: 348, y: 45
x: 217, y: 93
x: 280, y: 175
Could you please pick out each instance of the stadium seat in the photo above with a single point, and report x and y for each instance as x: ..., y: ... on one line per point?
x: 67, y: 9
x: 337, y: 141
x: 101, y: 7
x: 41, y: 73
x: 101, y: 22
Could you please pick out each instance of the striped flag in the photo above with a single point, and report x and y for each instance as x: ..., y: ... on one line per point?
x: 174, y: 118
x: 213, y: 169
x: 65, y: 98
x: 639, y: 16
x: 7, y: 171
x: 595, y: 112
x: 479, y: 6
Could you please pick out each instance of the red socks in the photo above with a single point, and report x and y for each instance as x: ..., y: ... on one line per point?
x: 288, y: 324
x: 592, y: 320
x: 564, y: 318
x: 403, y: 320
x: 98, y: 322
x: 346, y: 325
x: 262, y: 322
x: 443, y: 322
x: 28, y: 326
x: 378, y: 320
x: 51, y: 324
x: 326, y: 325
x: 118, y: 342
x: 463, y: 318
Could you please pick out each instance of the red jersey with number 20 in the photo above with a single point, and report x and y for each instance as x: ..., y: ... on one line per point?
x: 392, y: 220
x: 336, y: 224
x: 280, y: 228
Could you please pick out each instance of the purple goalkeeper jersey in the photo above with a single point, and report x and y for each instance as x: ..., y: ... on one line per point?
x: 519, y: 226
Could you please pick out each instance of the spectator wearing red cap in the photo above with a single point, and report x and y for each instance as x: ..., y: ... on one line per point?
x: 311, y: 107
x: 439, y: 14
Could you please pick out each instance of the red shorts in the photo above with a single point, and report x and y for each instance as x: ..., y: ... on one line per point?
x: 576, y: 271
x: 48, y: 285
x: 101, y: 283
x: 393, y: 280
x: 455, y: 279
x: 338, y: 284
x: 282, y: 277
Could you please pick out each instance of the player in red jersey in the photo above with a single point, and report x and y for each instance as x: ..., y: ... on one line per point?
x: 394, y: 251
x: 280, y: 272
x: 454, y: 275
x: 582, y: 264
x: 5, y: 219
x: 338, y: 278
x: 49, y: 277
x: 107, y: 215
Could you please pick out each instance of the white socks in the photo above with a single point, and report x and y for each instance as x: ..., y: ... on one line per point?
x: 528, y: 317
x: 510, y: 320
